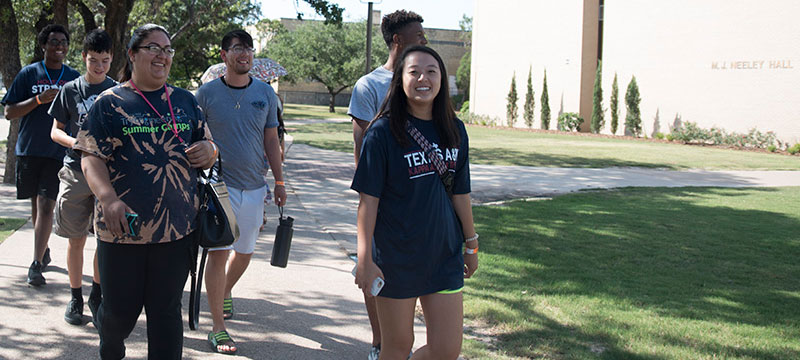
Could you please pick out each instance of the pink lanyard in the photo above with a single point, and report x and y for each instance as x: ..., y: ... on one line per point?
x: 169, y: 102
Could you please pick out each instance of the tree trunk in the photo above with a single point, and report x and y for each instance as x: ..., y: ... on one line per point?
x: 87, y: 15
x: 9, y: 67
x: 44, y: 14
x: 60, y: 9
x: 116, y: 24
x: 332, y: 102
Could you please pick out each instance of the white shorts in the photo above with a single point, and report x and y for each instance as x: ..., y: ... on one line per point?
x: 248, y: 206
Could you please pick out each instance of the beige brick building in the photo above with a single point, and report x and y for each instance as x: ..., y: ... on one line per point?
x: 730, y: 64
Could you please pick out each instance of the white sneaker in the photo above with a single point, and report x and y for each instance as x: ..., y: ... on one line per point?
x: 374, y: 353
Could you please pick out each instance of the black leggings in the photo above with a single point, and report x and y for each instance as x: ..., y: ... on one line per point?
x: 132, y: 276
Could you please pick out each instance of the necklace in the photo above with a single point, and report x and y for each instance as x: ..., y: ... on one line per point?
x: 169, y: 102
x: 48, y: 74
x: 237, y: 106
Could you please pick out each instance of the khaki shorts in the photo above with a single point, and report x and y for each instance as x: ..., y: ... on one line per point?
x: 74, y: 206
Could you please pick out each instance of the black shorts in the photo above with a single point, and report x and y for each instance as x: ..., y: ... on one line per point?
x: 37, y: 176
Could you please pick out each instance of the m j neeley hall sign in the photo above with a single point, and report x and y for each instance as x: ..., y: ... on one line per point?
x: 752, y: 65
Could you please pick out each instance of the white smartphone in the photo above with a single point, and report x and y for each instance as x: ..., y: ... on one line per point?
x: 377, y: 285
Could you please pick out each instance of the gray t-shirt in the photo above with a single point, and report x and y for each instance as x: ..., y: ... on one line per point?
x: 239, y: 133
x: 368, y: 94
x: 72, y: 105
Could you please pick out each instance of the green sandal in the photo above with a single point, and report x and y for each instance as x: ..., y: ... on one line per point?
x: 221, y: 339
x: 227, y: 308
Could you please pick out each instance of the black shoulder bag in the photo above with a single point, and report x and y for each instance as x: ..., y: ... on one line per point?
x: 216, y: 227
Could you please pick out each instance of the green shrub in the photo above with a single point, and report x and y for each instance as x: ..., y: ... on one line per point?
x: 464, y: 108
x: 794, y: 149
x: 472, y: 118
x: 569, y: 121
x: 457, y: 100
x: 511, y: 107
x: 772, y: 148
x: 530, y: 103
x: 598, y: 116
x: 659, y: 136
x: 670, y: 137
x: 614, y: 105
x: 690, y: 132
x: 545, y: 101
x: 633, y: 118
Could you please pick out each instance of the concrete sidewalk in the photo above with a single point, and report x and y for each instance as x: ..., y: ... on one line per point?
x: 311, y: 309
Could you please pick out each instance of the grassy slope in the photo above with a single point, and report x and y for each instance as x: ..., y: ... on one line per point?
x: 510, y: 147
x: 640, y: 274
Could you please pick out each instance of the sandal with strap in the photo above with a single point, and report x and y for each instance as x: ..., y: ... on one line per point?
x: 227, y: 308
x: 220, y: 339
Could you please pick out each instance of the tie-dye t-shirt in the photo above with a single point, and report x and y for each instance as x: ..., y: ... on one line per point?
x: 146, y: 162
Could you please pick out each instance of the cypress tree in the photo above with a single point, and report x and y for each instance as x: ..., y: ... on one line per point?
x: 614, y: 105
x: 545, y: 101
x: 633, y: 119
x: 598, y: 120
x: 511, y: 107
x: 530, y: 102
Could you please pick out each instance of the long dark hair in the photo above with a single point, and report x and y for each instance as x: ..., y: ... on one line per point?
x: 395, y: 105
x: 136, y: 39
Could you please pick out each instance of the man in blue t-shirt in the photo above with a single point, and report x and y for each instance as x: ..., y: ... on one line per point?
x: 75, y: 204
x: 400, y: 29
x: 39, y: 158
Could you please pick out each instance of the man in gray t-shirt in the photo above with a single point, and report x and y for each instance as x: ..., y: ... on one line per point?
x: 400, y: 29
x: 241, y: 113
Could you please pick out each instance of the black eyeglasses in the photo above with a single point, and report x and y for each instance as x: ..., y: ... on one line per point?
x: 154, y: 49
x: 56, y: 42
x: 238, y: 49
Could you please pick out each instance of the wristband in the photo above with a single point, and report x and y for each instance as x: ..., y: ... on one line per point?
x: 279, y: 183
x: 214, y: 146
x: 472, y: 238
x: 471, y: 251
x: 37, y: 100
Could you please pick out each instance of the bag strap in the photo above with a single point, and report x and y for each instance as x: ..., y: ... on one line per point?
x: 196, y: 290
x: 441, y: 168
x: 218, y: 169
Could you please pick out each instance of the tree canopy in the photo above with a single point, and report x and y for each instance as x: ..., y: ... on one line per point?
x: 196, y: 25
x: 332, y: 56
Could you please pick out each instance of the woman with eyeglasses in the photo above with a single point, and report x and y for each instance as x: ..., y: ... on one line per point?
x: 142, y: 143
x: 415, y: 228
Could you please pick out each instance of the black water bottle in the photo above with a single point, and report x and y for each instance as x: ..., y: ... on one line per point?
x: 283, y: 240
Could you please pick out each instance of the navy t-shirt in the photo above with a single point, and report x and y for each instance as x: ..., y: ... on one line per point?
x: 418, y: 239
x: 34, y: 129
x: 146, y: 162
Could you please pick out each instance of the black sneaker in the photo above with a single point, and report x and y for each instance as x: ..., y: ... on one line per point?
x: 94, y: 306
x: 74, y: 313
x: 35, y: 277
x: 46, y: 259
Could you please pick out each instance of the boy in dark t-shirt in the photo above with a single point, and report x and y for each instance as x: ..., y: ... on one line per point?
x: 75, y: 204
x: 38, y: 157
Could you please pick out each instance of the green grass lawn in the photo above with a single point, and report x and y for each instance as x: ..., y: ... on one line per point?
x: 639, y: 273
x: 512, y: 147
x: 298, y: 111
x: 8, y: 226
